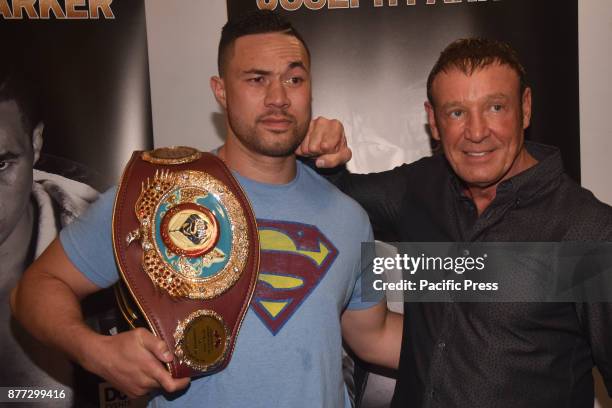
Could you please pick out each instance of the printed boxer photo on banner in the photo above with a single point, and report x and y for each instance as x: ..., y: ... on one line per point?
x: 63, y: 128
x: 34, y: 205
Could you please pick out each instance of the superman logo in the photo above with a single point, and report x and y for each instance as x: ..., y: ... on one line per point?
x: 294, y: 259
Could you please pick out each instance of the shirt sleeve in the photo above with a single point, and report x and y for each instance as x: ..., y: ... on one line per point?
x: 380, y: 194
x: 596, y: 319
x: 88, y: 242
x: 365, y: 297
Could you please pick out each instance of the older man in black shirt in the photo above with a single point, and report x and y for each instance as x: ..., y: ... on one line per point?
x: 490, y: 185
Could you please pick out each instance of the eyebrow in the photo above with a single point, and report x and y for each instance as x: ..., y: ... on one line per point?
x: 497, y: 96
x: 490, y: 97
x: 292, y: 65
x: 8, y: 156
x: 449, y: 105
x: 257, y: 72
x: 297, y: 64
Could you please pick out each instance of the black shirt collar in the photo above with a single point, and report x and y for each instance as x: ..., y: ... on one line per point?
x: 528, y: 184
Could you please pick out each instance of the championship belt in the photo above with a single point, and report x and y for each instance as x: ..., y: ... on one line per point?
x: 187, y: 248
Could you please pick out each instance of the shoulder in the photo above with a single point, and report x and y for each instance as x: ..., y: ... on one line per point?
x: 100, y: 211
x: 431, y: 166
x: 107, y: 198
x: 59, y: 186
x: 433, y: 169
x: 590, y: 218
x: 66, y: 199
x: 334, y: 200
x: 426, y: 166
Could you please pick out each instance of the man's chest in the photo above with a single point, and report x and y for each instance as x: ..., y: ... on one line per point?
x: 301, y: 268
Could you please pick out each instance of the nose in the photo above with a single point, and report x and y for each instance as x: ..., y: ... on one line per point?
x: 477, y: 128
x: 276, y: 95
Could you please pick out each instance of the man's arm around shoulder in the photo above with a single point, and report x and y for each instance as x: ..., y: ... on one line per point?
x: 46, y: 302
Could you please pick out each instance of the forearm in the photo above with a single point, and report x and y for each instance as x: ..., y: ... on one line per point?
x: 131, y: 361
x: 47, y: 303
x: 55, y: 320
x: 374, y: 335
x: 380, y: 195
x: 383, y: 349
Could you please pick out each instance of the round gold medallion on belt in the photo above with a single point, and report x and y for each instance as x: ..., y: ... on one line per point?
x: 202, y: 340
x: 190, y: 229
x: 172, y: 155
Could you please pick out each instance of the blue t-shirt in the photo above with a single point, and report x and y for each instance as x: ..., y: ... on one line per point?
x: 288, y: 352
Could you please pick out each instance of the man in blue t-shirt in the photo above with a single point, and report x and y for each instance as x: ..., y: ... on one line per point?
x: 288, y: 353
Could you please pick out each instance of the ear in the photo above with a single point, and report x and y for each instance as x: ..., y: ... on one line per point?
x: 431, y: 118
x: 526, y: 107
x: 37, y: 140
x: 218, y: 87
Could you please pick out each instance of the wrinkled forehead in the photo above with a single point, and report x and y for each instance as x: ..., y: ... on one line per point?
x: 454, y: 82
x: 13, y: 137
x: 267, y: 51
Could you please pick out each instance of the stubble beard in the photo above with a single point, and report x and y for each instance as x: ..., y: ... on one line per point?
x: 282, y: 146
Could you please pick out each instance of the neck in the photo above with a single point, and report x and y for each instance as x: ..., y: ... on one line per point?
x: 255, y: 166
x: 16, y: 250
x: 483, y: 196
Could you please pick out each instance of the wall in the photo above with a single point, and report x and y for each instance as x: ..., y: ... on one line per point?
x: 183, y: 37
x: 595, y: 37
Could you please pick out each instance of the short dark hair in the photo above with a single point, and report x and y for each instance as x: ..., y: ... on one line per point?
x: 15, y: 86
x: 255, y: 22
x: 471, y: 54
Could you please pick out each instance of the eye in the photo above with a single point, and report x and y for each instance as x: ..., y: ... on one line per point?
x: 4, y: 165
x: 293, y: 81
x: 256, y: 80
x: 497, y: 107
x: 456, y: 114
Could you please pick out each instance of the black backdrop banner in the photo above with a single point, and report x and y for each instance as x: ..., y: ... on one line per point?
x: 93, y: 78
x: 86, y: 69
x: 371, y: 60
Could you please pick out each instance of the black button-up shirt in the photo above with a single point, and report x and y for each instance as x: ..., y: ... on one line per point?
x: 493, y: 354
